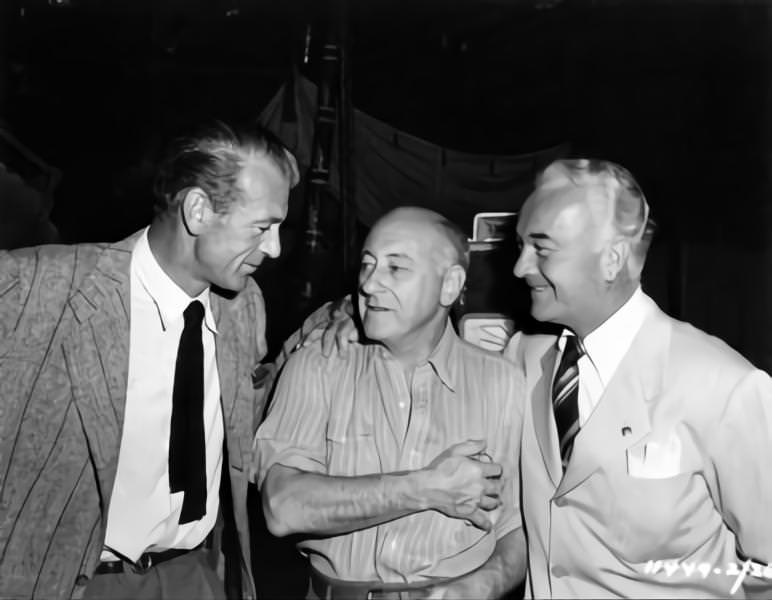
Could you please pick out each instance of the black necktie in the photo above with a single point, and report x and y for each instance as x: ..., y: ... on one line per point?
x: 565, y: 397
x: 187, y: 453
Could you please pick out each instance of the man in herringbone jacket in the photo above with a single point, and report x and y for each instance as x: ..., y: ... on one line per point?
x: 88, y: 335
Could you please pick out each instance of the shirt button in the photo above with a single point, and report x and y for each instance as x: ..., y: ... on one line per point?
x: 558, y: 571
x: 81, y: 580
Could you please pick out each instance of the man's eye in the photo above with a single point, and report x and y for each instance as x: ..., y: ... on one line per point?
x: 541, y: 250
x: 396, y: 268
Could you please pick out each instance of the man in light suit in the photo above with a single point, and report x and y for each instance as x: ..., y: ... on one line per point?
x: 646, y: 444
x: 88, y: 339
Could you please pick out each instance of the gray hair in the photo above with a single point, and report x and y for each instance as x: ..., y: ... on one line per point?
x: 630, y: 217
x: 212, y: 159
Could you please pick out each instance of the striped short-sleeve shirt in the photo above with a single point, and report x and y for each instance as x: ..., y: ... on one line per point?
x: 359, y: 415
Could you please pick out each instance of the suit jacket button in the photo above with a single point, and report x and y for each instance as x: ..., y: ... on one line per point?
x: 558, y: 571
x: 560, y: 502
x: 81, y: 580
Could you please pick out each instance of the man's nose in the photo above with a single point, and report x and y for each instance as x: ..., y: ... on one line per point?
x: 524, y: 263
x: 369, y: 282
x: 270, y: 244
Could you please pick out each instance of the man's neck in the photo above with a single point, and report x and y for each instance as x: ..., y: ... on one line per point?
x: 168, y: 248
x: 614, y: 301
x: 416, y: 350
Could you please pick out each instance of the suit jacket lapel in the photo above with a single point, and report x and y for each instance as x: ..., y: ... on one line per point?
x: 621, y: 418
x: 226, y: 356
x: 98, y: 349
x: 540, y: 365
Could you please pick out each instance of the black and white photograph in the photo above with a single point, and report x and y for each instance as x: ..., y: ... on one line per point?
x: 385, y: 299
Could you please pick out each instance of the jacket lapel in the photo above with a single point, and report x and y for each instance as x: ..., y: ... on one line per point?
x: 540, y: 364
x: 621, y: 418
x: 226, y: 356
x: 98, y: 350
x: 237, y: 417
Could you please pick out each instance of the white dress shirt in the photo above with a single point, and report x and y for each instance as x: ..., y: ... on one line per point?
x: 604, y: 349
x: 143, y: 514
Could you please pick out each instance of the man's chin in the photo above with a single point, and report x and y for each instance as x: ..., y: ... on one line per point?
x: 233, y: 285
x: 372, y: 331
x: 541, y: 313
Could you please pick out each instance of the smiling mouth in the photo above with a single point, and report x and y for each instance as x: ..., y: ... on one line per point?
x: 539, y: 288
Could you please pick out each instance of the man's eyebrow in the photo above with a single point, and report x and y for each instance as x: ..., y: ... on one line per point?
x: 400, y: 255
x: 539, y: 236
x: 266, y: 221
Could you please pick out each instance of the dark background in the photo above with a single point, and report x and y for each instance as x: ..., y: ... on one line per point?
x: 678, y: 92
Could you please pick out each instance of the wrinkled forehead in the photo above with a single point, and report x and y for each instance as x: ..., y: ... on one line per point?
x: 418, y: 239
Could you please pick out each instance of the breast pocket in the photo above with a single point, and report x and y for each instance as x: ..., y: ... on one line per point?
x: 657, y: 518
x: 350, y: 444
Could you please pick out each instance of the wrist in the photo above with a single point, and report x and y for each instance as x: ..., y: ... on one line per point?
x: 415, y: 490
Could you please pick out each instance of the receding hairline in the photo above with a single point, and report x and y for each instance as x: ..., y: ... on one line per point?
x: 251, y: 154
x: 452, y: 239
x: 619, y: 199
x: 602, y: 192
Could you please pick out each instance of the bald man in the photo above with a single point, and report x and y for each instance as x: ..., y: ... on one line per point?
x: 646, y: 442
x: 397, y: 462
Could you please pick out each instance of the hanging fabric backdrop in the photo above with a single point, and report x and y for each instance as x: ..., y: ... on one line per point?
x: 392, y: 168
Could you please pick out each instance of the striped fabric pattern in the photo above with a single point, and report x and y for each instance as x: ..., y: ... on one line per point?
x: 359, y: 415
x: 565, y: 397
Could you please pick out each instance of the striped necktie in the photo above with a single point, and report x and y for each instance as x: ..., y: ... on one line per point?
x: 565, y: 397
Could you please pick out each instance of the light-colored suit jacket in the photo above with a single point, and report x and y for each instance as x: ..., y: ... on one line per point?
x: 64, y: 348
x: 669, y: 479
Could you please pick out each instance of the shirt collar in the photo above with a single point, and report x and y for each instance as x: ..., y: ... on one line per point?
x: 608, y: 343
x: 169, y: 299
x: 442, y: 357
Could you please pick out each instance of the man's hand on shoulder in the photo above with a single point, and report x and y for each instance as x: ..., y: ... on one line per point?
x: 333, y: 327
x: 462, y: 483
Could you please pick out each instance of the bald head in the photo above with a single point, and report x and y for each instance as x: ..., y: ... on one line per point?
x: 447, y: 241
x: 412, y: 271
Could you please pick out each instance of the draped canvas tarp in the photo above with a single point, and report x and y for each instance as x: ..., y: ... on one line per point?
x: 393, y: 168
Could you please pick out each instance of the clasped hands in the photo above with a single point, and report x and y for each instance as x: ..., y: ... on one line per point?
x: 463, y: 483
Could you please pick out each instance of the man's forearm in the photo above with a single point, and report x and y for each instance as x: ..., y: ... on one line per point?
x: 500, y: 574
x: 507, y: 565
x: 296, y: 501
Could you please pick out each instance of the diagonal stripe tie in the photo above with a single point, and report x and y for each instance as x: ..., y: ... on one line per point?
x: 565, y: 397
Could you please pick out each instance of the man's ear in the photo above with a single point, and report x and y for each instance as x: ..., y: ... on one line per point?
x: 196, y: 210
x: 452, y: 284
x: 615, y: 258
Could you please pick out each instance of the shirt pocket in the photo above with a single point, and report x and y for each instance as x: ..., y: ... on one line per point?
x: 350, y: 446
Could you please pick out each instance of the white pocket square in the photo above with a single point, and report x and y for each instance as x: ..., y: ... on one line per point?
x: 655, y: 459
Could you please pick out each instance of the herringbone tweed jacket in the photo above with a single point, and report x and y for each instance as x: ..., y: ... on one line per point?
x: 64, y: 348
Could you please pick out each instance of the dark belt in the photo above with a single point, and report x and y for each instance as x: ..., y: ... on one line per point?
x: 329, y: 588
x: 147, y: 560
